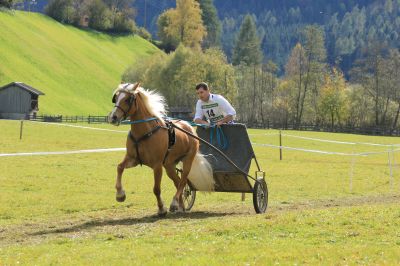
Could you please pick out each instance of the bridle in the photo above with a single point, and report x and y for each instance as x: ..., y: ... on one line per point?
x: 131, y: 101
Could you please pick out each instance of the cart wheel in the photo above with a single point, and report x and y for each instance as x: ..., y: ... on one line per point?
x: 189, y: 197
x: 260, y: 196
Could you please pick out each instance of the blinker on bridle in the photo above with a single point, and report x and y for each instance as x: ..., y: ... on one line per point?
x: 131, y: 100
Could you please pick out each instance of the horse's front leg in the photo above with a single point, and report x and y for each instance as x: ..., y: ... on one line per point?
x: 162, y: 211
x: 126, y: 163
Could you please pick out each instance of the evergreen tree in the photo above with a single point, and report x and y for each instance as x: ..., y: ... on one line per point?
x: 247, y: 48
x: 211, y: 22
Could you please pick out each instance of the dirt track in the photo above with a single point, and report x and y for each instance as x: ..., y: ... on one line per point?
x: 109, y: 223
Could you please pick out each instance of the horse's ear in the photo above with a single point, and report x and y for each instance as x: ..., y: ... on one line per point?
x: 137, y: 84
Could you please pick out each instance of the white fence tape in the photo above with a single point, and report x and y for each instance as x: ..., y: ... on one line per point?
x: 341, y: 142
x: 61, y: 152
x: 265, y: 134
x: 324, y: 152
x: 304, y: 150
x: 75, y: 126
x: 253, y: 143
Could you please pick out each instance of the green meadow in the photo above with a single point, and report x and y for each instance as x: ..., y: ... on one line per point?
x: 323, y: 209
x: 76, y: 69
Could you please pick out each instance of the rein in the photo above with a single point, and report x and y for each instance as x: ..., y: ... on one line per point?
x: 127, y: 122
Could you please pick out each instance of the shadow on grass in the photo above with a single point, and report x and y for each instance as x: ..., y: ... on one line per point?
x: 130, y: 221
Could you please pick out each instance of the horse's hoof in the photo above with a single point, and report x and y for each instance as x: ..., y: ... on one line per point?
x: 180, y: 210
x: 162, y: 213
x: 174, y: 205
x: 173, y: 208
x: 120, y: 198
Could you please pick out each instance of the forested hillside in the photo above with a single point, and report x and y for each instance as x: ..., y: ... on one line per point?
x: 348, y: 25
x: 76, y: 69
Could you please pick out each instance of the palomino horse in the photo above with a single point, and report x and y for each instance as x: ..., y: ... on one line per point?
x: 149, y: 143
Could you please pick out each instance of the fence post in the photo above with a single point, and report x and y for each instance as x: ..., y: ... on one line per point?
x: 20, y: 129
x: 390, y: 169
x: 353, y: 159
x: 280, y: 145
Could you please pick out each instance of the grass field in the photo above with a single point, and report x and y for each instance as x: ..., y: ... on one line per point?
x: 60, y: 209
x: 76, y: 69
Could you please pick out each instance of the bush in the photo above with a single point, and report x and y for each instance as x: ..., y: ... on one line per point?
x: 6, y: 3
x: 60, y: 10
x: 100, y: 16
x: 142, y: 32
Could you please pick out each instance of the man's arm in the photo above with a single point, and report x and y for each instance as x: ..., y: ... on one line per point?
x: 228, y: 109
x: 201, y: 121
x: 225, y: 120
x: 199, y: 115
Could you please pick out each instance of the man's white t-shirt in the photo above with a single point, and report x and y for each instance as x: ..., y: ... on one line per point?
x: 215, y: 109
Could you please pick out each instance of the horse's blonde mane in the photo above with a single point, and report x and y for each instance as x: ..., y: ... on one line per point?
x: 153, y: 101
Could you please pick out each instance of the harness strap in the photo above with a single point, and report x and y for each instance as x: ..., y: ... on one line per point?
x: 145, y: 136
x: 171, y: 138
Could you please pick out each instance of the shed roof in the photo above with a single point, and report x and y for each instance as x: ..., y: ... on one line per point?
x: 24, y: 87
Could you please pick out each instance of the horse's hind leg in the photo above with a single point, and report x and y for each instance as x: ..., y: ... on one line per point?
x: 177, y: 202
x: 172, y: 174
x: 126, y: 163
x: 162, y: 211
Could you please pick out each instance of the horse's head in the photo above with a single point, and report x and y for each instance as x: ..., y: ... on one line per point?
x: 124, y: 98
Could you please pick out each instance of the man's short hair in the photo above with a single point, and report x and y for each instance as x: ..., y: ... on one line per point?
x: 202, y: 85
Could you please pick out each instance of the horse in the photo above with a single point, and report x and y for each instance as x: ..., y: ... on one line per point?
x: 152, y: 141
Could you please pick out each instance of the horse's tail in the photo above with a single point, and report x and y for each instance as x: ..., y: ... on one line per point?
x: 201, y: 174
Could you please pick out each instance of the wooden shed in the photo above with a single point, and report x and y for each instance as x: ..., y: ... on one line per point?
x: 18, y: 101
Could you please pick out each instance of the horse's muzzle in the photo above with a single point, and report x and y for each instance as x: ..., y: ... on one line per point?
x: 113, y: 119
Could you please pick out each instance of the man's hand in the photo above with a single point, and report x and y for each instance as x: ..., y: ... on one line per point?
x: 226, y: 119
x: 202, y: 122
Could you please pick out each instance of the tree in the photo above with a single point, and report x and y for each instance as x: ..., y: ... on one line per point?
x: 282, y: 105
x: 183, y: 23
x: 122, y: 14
x: 177, y: 73
x: 210, y: 20
x: 306, y: 66
x: 247, y: 48
x: 332, y: 101
x: 169, y: 42
x: 80, y: 9
x: 8, y: 3
x: 393, y: 80
x: 370, y: 73
x: 100, y: 17
x: 60, y: 10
